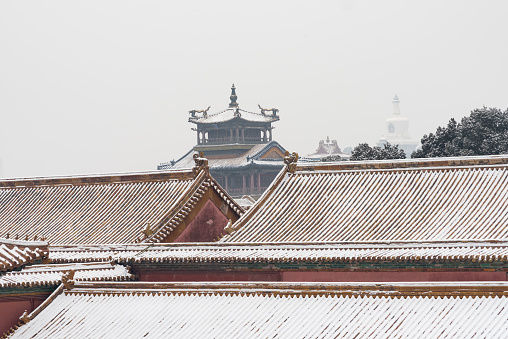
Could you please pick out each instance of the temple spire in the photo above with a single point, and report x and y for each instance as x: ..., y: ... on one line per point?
x: 395, y: 102
x: 233, y: 97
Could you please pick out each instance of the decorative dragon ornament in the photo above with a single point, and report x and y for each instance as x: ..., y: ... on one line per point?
x: 264, y: 110
x: 204, y: 111
x: 290, y: 160
x: 200, y: 163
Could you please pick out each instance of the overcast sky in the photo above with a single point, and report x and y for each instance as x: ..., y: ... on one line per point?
x: 106, y: 86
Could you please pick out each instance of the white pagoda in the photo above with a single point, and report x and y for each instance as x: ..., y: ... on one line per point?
x: 397, y: 131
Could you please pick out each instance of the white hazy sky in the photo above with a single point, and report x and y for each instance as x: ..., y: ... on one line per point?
x: 105, y: 86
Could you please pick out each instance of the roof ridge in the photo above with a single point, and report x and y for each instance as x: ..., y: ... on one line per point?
x: 395, y: 164
x: 210, y: 115
x: 404, y: 289
x: 128, y: 177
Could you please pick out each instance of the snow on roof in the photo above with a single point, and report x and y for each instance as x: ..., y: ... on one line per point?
x: 246, y: 201
x: 101, y: 209
x: 229, y: 114
x: 48, y: 275
x: 246, y: 159
x: 14, y: 254
x: 269, y: 310
x: 281, y: 253
x: 440, y: 199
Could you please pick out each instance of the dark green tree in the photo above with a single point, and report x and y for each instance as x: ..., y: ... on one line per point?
x: 483, y: 132
x: 332, y: 158
x: 388, y: 151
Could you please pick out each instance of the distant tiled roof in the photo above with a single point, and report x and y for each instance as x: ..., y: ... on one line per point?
x: 280, y: 253
x: 229, y: 114
x: 246, y: 201
x: 48, y: 275
x: 328, y: 148
x: 442, y: 199
x: 14, y: 254
x: 101, y: 209
x: 248, y: 158
x: 272, y: 310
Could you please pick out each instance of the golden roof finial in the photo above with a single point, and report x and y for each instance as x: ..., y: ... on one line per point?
x: 233, y: 97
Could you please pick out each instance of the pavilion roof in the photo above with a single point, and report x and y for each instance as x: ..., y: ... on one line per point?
x: 440, y: 199
x: 231, y: 114
x: 269, y: 310
x: 248, y: 158
x: 103, y: 209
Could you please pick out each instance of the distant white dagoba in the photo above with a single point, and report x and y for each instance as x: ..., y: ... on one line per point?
x: 397, y: 131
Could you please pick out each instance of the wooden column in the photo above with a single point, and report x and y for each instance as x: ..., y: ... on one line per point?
x: 244, y: 184
x: 259, y: 183
x: 252, y: 183
x: 225, y: 182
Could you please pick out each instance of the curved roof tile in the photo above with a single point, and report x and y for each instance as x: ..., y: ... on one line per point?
x: 420, y: 200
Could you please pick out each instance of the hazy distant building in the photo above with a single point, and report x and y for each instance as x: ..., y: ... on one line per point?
x: 329, y: 149
x: 397, y: 131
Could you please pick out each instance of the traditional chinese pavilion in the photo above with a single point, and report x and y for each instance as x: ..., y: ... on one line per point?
x: 239, y: 145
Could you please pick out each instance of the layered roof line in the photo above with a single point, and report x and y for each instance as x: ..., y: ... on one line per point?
x: 51, y: 275
x: 229, y: 253
x: 402, y: 289
x: 249, y: 158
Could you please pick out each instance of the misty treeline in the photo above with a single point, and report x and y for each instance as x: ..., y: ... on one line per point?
x: 388, y: 151
x: 483, y: 132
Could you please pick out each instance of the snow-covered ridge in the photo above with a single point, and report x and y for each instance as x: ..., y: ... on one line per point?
x: 456, y: 251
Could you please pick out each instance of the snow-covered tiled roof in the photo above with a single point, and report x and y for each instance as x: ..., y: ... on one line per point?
x: 248, y: 158
x: 246, y: 201
x: 51, y: 274
x: 14, y: 253
x: 272, y: 310
x: 229, y: 114
x: 101, y: 209
x: 280, y: 253
x: 440, y: 199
